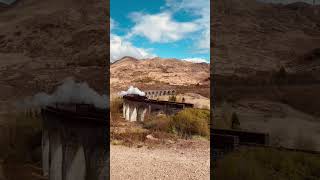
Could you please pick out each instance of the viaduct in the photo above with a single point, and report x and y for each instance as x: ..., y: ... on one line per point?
x: 74, y: 143
x: 156, y: 93
x: 136, y: 107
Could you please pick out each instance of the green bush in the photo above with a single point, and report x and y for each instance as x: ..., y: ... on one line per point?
x: 191, y: 122
x: 158, y: 123
x: 187, y: 123
x: 173, y: 98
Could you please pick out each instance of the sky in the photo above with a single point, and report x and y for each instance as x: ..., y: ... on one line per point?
x: 160, y: 28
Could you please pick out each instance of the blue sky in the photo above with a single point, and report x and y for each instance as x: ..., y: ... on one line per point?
x: 160, y: 28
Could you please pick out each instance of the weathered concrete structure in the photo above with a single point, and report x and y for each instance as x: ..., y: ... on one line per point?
x: 74, y: 142
x: 156, y: 93
x: 136, y: 108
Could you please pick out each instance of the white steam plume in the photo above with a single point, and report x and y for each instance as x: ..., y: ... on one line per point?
x: 68, y: 92
x: 132, y: 90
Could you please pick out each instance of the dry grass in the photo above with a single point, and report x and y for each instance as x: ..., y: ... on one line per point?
x: 157, y: 123
x: 267, y: 164
x: 24, y: 135
x: 185, y: 123
x: 22, y: 145
x: 190, y: 122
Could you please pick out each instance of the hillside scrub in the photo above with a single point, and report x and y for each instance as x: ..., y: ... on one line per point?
x: 267, y: 164
x: 186, y: 123
x: 192, y: 122
x: 23, y: 133
x: 116, y: 105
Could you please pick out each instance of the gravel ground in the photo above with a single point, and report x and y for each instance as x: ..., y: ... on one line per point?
x: 183, y: 160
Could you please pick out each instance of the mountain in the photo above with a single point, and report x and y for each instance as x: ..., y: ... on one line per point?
x: 254, y: 36
x: 157, y: 73
x: 43, y: 42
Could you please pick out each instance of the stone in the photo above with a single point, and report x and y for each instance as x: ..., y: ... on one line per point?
x: 150, y: 137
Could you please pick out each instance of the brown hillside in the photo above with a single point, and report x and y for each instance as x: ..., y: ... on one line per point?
x: 157, y: 73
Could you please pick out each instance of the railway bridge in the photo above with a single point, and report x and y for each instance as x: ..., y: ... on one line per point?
x: 74, y: 142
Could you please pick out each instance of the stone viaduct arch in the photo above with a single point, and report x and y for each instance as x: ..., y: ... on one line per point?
x: 136, y: 108
x: 73, y: 143
x: 156, y: 93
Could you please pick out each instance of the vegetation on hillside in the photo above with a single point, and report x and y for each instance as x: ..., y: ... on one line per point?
x: 267, y: 164
x: 185, y: 123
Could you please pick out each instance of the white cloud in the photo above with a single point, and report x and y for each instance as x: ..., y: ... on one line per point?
x: 196, y: 60
x: 199, y: 8
x: 120, y: 47
x: 112, y: 24
x: 161, y: 27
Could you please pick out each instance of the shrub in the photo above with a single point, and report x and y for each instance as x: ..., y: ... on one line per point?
x: 280, y: 77
x: 191, y: 122
x: 223, y: 120
x: 235, y: 121
x: 265, y: 164
x: 24, y: 134
x: 173, y: 98
x: 116, y: 105
x: 158, y: 123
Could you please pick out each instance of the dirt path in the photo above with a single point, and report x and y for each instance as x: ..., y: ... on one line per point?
x: 187, y: 160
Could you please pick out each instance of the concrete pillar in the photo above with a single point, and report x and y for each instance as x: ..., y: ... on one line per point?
x: 77, y: 169
x: 144, y: 111
x: 123, y: 110
x: 104, y: 173
x: 95, y: 161
x: 133, y: 116
x: 55, y: 172
x: 45, y: 152
x: 127, y: 112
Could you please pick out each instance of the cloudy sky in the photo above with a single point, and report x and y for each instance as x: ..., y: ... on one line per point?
x: 160, y: 28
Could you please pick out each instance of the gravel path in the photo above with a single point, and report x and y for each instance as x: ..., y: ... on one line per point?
x: 181, y: 161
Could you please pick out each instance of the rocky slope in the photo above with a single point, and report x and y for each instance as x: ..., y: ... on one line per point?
x: 252, y: 36
x: 157, y: 71
x: 43, y: 42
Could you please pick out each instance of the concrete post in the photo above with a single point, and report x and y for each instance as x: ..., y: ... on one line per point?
x: 77, y: 169
x: 127, y: 117
x: 134, y: 114
x: 55, y: 172
x: 45, y: 152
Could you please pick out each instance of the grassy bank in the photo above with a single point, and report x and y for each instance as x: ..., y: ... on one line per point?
x: 267, y: 164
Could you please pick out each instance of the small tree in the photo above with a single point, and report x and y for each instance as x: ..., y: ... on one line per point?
x: 235, y: 121
x: 183, y: 100
x: 173, y: 98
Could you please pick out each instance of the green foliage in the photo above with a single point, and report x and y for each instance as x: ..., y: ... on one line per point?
x: 187, y: 122
x: 191, y: 122
x: 267, y: 164
x: 158, y: 123
x: 173, y: 98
